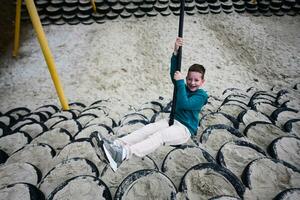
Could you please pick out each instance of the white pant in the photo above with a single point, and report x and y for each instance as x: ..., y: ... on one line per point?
x: 147, y: 139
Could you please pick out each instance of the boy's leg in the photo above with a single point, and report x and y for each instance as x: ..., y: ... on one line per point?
x: 119, y: 150
x: 173, y: 135
x: 143, y: 133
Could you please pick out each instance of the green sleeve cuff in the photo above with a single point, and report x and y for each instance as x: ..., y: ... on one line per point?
x: 180, y: 82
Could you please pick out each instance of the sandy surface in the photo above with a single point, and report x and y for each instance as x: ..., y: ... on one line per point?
x: 265, y: 183
x: 206, y: 183
x: 18, y: 191
x: 18, y: 172
x: 81, y: 187
x: 129, y: 59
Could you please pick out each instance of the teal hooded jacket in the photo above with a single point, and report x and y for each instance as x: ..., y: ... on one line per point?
x: 188, y: 103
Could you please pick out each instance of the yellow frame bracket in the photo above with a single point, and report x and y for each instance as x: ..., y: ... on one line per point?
x: 94, y: 5
x: 17, y: 28
x: 47, y: 52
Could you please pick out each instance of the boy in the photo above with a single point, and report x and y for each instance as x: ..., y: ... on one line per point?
x: 190, y: 100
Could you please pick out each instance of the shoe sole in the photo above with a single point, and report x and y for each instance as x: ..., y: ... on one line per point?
x: 98, y: 145
x: 112, y: 163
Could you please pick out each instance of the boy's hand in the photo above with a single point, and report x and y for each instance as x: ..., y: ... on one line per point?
x: 178, y: 76
x: 178, y: 43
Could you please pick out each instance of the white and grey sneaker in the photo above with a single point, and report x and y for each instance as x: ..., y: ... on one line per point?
x: 114, y: 154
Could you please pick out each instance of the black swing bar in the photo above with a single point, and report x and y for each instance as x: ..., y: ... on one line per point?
x: 179, y: 55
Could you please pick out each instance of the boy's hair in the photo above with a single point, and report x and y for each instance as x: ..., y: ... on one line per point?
x: 197, y: 68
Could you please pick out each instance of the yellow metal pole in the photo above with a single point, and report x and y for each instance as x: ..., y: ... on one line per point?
x: 46, y: 51
x: 94, y: 5
x: 17, y: 28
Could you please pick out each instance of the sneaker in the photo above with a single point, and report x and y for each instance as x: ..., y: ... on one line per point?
x: 113, y: 154
x: 97, y: 140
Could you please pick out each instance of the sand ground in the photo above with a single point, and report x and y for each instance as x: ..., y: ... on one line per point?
x: 129, y: 59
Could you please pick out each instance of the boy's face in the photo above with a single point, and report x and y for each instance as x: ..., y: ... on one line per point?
x: 194, y: 81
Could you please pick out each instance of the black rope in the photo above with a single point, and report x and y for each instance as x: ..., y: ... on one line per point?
x: 178, y: 67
